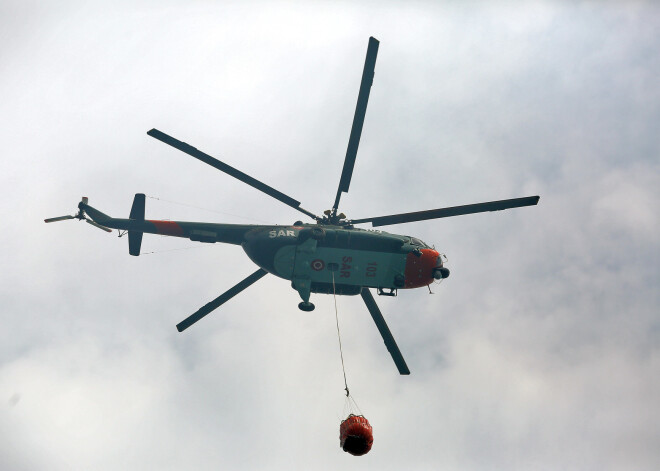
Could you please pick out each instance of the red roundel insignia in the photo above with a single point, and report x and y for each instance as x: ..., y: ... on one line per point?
x: 318, y: 264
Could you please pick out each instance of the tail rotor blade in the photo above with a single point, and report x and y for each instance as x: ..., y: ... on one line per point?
x: 96, y: 224
x: 385, y: 331
x: 223, y: 298
x: 82, y: 207
x: 61, y: 218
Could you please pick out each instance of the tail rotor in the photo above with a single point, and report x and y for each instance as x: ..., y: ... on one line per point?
x: 80, y: 216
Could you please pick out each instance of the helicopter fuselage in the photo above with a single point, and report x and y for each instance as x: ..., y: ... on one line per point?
x: 315, y: 258
x: 340, y: 259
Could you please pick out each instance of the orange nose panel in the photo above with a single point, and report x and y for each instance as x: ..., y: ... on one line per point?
x: 419, y: 270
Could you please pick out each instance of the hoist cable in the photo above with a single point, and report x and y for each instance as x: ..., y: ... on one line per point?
x: 341, y: 353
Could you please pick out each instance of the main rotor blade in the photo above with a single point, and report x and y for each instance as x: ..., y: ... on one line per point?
x: 223, y: 298
x: 448, y: 212
x: 213, y: 162
x: 60, y: 218
x: 385, y: 331
x: 358, y: 119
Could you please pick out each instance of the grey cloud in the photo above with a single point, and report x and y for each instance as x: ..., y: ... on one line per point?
x: 539, y: 352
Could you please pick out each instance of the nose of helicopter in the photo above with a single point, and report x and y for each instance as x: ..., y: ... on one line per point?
x: 420, y: 268
x: 440, y: 272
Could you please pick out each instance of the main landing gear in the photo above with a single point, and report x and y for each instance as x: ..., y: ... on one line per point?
x: 302, y: 285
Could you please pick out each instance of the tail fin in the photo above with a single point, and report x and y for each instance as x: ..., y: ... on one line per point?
x: 137, y: 213
x: 137, y: 210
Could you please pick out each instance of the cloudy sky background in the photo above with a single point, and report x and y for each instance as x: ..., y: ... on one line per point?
x: 541, y: 351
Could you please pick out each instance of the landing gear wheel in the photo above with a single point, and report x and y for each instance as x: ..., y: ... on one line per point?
x: 307, y: 307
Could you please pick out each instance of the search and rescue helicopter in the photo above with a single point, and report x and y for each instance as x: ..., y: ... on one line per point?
x: 327, y: 256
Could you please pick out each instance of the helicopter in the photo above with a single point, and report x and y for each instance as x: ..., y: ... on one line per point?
x: 327, y: 256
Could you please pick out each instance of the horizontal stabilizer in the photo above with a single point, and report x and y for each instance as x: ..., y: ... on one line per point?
x: 134, y: 242
x: 137, y: 214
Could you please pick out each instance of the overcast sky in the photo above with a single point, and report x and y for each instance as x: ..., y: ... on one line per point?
x: 540, y: 352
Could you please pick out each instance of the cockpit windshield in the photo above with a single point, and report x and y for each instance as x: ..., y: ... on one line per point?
x: 416, y: 241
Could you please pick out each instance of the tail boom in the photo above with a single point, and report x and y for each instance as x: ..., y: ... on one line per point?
x: 196, y: 231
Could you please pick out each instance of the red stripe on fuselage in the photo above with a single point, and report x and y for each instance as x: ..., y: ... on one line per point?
x: 170, y: 228
x: 419, y: 270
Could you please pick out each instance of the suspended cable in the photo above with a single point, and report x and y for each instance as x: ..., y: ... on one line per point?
x: 351, y: 407
x: 341, y: 353
x: 206, y: 209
